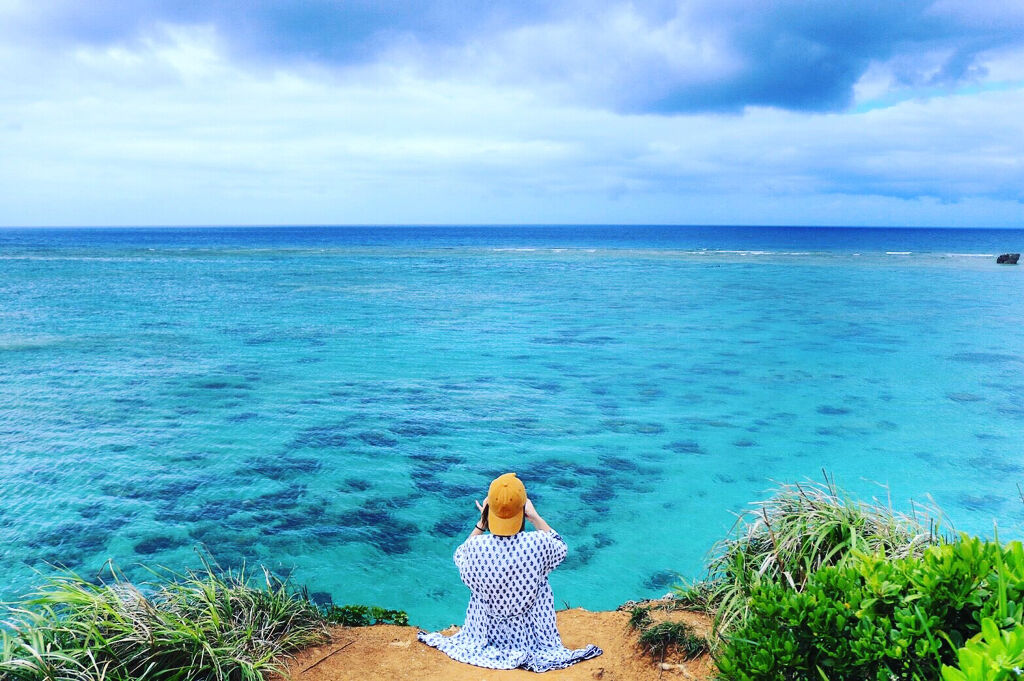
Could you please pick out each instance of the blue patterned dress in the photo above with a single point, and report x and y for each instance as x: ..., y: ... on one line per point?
x: 510, y: 621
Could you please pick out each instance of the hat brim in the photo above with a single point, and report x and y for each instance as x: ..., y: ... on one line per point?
x: 505, y: 527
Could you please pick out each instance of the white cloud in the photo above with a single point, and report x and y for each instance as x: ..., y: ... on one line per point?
x: 170, y: 130
x: 613, y: 55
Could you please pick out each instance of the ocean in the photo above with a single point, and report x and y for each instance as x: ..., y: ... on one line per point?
x: 330, y: 401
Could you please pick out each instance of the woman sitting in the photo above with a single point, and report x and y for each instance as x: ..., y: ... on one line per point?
x: 510, y: 621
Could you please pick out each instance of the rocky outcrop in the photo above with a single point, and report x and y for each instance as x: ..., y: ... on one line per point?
x: 1008, y: 259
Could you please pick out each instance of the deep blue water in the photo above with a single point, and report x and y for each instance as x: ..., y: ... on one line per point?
x: 329, y: 401
x: 715, y: 238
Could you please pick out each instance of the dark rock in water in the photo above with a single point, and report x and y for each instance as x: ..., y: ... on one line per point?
x: 981, y: 502
x: 437, y: 462
x: 417, y: 429
x: 89, y: 512
x: 425, y: 481
x: 321, y: 437
x: 281, y: 468
x: 378, y: 439
x: 994, y: 464
x: 662, y: 579
x: 275, y: 501
x: 1008, y: 259
x: 321, y: 598
x: 633, y: 427
x: 600, y: 493
x: 71, y: 539
x: 965, y: 397
x: 216, y: 510
x: 156, y: 544
x: 578, y: 557
x: 390, y: 503
x: 546, y: 386
x: 619, y: 463
x: 355, y: 485
x: 685, y: 447
x: 983, y: 357
x: 449, y: 527
x: 293, y: 521
x: 395, y: 539
x: 455, y: 491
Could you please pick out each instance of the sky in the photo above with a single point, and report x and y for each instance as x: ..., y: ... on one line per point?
x: 254, y: 112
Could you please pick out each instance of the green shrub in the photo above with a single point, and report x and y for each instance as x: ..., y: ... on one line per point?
x: 203, y: 625
x: 665, y: 636
x: 195, y: 626
x: 697, y: 596
x: 640, y: 618
x: 364, y: 615
x: 877, y: 617
x: 656, y: 639
x: 800, y: 529
x: 992, y: 655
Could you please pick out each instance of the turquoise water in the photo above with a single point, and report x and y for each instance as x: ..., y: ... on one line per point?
x: 330, y: 402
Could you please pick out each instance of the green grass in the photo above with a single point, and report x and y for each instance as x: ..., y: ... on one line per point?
x: 800, y: 529
x: 660, y: 638
x: 696, y: 596
x: 201, y: 625
x: 657, y: 639
x: 640, y: 618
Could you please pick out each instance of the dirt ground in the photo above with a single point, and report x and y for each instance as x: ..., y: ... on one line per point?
x: 386, y: 652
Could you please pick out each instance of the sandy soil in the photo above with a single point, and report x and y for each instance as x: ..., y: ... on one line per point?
x: 388, y: 652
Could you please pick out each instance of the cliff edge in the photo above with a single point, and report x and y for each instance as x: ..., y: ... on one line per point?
x: 387, y: 652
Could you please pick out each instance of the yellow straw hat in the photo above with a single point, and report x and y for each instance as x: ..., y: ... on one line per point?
x: 505, y: 501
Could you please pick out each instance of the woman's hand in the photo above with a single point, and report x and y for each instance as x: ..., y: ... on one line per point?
x: 481, y: 523
x: 531, y: 514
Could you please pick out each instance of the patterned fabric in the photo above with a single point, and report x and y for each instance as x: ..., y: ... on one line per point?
x: 510, y: 621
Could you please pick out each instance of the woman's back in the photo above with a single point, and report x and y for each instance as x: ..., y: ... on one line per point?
x: 510, y: 621
x: 506, y: 573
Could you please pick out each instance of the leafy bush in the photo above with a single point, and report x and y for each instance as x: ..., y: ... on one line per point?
x: 364, y: 615
x: 877, y: 617
x: 194, y: 626
x: 992, y: 655
x: 800, y: 529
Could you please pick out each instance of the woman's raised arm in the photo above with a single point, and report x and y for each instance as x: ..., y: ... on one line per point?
x: 531, y: 514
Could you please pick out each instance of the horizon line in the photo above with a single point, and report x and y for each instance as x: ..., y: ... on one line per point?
x: 414, y: 225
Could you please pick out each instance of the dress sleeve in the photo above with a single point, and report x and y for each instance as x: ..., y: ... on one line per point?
x: 462, y: 555
x: 555, y: 549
